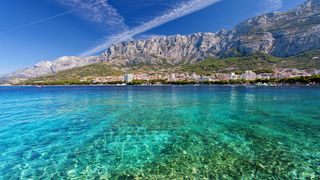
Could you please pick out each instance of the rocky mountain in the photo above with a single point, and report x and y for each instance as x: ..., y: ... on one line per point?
x: 172, y: 48
x: 279, y: 34
x: 50, y: 67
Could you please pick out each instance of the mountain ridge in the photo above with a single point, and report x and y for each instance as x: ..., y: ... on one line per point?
x: 279, y: 34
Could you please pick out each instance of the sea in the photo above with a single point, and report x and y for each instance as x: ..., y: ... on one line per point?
x: 159, y: 132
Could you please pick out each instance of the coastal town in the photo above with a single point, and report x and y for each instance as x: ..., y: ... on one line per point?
x: 248, y: 75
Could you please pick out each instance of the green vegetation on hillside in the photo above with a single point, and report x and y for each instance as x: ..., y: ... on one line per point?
x: 315, y: 79
x: 72, y: 76
x: 256, y: 62
x: 260, y: 63
x: 233, y: 64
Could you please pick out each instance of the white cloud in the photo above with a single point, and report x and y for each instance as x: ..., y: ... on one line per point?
x: 271, y: 5
x: 97, y: 11
x: 182, y: 9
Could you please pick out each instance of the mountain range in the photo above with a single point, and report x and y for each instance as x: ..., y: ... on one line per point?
x: 280, y: 34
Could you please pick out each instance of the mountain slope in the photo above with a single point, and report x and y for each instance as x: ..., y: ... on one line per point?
x: 282, y: 34
x: 257, y: 62
x: 277, y: 34
x: 48, y: 67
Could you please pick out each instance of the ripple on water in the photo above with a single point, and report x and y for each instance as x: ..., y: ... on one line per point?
x: 159, y: 133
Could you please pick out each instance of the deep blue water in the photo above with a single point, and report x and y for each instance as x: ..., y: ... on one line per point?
x: 162, y: 132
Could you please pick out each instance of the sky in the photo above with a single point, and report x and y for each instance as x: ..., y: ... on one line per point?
x: 36, y: 30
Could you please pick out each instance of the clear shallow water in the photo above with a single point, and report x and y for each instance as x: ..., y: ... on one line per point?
x: 159, y: 132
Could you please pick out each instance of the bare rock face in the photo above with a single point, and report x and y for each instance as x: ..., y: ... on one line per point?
x: 43, y: 67
x: 278, y: 34
x: 259, y: 42
x: 172, y: 48
x: 291, y: 43
x: 69, y: 62
x: 282, y: 34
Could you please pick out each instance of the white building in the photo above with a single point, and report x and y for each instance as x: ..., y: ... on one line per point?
x: 194, y: 76
x: 249, y: 75
x: 128, y: 78
x: 172, y: 77
x: 234, y: 76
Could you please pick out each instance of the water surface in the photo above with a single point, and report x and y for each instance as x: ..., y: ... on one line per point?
x: 159, y: 132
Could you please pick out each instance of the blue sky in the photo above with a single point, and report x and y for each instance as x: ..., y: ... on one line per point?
x: 35, y: 30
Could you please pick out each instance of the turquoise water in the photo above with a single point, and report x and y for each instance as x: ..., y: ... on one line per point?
x: 182, y: 132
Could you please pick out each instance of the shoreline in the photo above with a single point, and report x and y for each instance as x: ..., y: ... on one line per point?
x: 300, y: 81
x: 166, y: 85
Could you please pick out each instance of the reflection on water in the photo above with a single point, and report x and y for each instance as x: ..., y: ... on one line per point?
x: 159, y: 132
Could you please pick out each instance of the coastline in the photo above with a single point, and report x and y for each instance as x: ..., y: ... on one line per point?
x: 295, y: 81
x: 166, y: 85
x: 5, y: 85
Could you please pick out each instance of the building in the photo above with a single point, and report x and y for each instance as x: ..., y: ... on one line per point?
x: 234, y: 76
x: 182, y: 77
x: 249, y: 75
x: 128, y: 78
x: 316, y: 72
x: 290, y: 73
x: 264, y: 76
x: 141, y: 77
x: 172, y: 77
x: 204, y: 79
x: 194, y: 76
x: 107, y: 79
x: 221, y: 77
